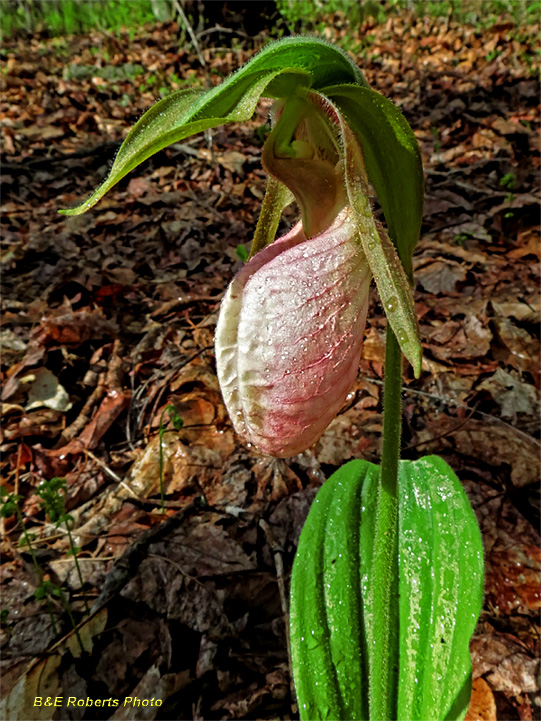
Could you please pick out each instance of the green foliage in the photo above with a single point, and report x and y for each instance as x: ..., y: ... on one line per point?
x: 439, y: 590
x: 242, y: 253
x: 52, y: 494
x: 177, y: 423
x: 508, y: 181
x: 307, y: 16
x: 276, y: 72
x: 112, y: 73
x: 9, y: 507
x: 9, y: 503
x: 46, y: 589
x: 52, y: 500
x: 67, y: 17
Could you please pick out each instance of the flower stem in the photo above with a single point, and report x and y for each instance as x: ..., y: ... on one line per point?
x: 383, y: 596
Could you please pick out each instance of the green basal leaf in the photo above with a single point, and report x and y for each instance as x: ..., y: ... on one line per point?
x: 277, y: 71
x: 440, y: 589
x: 327, y: 622
x: 392, y: 158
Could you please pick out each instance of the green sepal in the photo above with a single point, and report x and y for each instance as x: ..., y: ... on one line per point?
x: 393, y: 161
x: 440, y: 590
x: 277, y: 71
x: 391, y: 280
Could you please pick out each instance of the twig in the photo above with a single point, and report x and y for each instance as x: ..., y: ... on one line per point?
x: 89, y: 559
x: 452, y: 402
x: 112, y: 474
x: 220, y: 29
x: 276, y: 551
x: 442, y: 435
x: 191, y: 33
x: 84, y: 415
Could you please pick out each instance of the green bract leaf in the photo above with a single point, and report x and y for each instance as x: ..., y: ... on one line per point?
x: 440, y: 588
x: 393, y: 161
x: 277, y: 71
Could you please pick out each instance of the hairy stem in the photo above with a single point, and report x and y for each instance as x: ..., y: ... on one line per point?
x: 383, y: 598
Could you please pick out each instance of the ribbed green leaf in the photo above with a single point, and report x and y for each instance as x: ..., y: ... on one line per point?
x: 440, y: 589
x: 392, y: 158
x: 275, y: 72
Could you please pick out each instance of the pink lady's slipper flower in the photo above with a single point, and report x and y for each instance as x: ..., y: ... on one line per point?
x: 289, y: 336
x: 291, y: 325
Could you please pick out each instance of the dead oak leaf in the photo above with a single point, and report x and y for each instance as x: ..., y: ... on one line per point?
x: 512, y: 583
x: 72, y: 328
x: 511, y: 393
x: 491, y: 443
x: 440, y: 276
x: 453, y: 339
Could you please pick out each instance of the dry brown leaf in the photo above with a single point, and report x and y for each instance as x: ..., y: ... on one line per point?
x: 440, y: 276
x: 42, y: 678
x: 505, y: 663
x: 482, y: 704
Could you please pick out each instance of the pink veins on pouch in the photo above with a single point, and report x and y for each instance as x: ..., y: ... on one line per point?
x: 289, y: 336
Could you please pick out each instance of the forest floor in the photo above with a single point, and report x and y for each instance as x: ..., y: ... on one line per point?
x: 108, y: 319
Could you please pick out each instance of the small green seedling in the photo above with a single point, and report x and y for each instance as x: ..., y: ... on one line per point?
x: 177, y: 423
x: 242, y: 253
x: 508, y: 181
x: 53, y: 502
x: 9, y: 507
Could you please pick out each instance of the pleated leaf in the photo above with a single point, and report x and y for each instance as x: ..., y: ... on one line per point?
x: 276, y: 72
x: 328, y: 640
x: 440, y: 589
